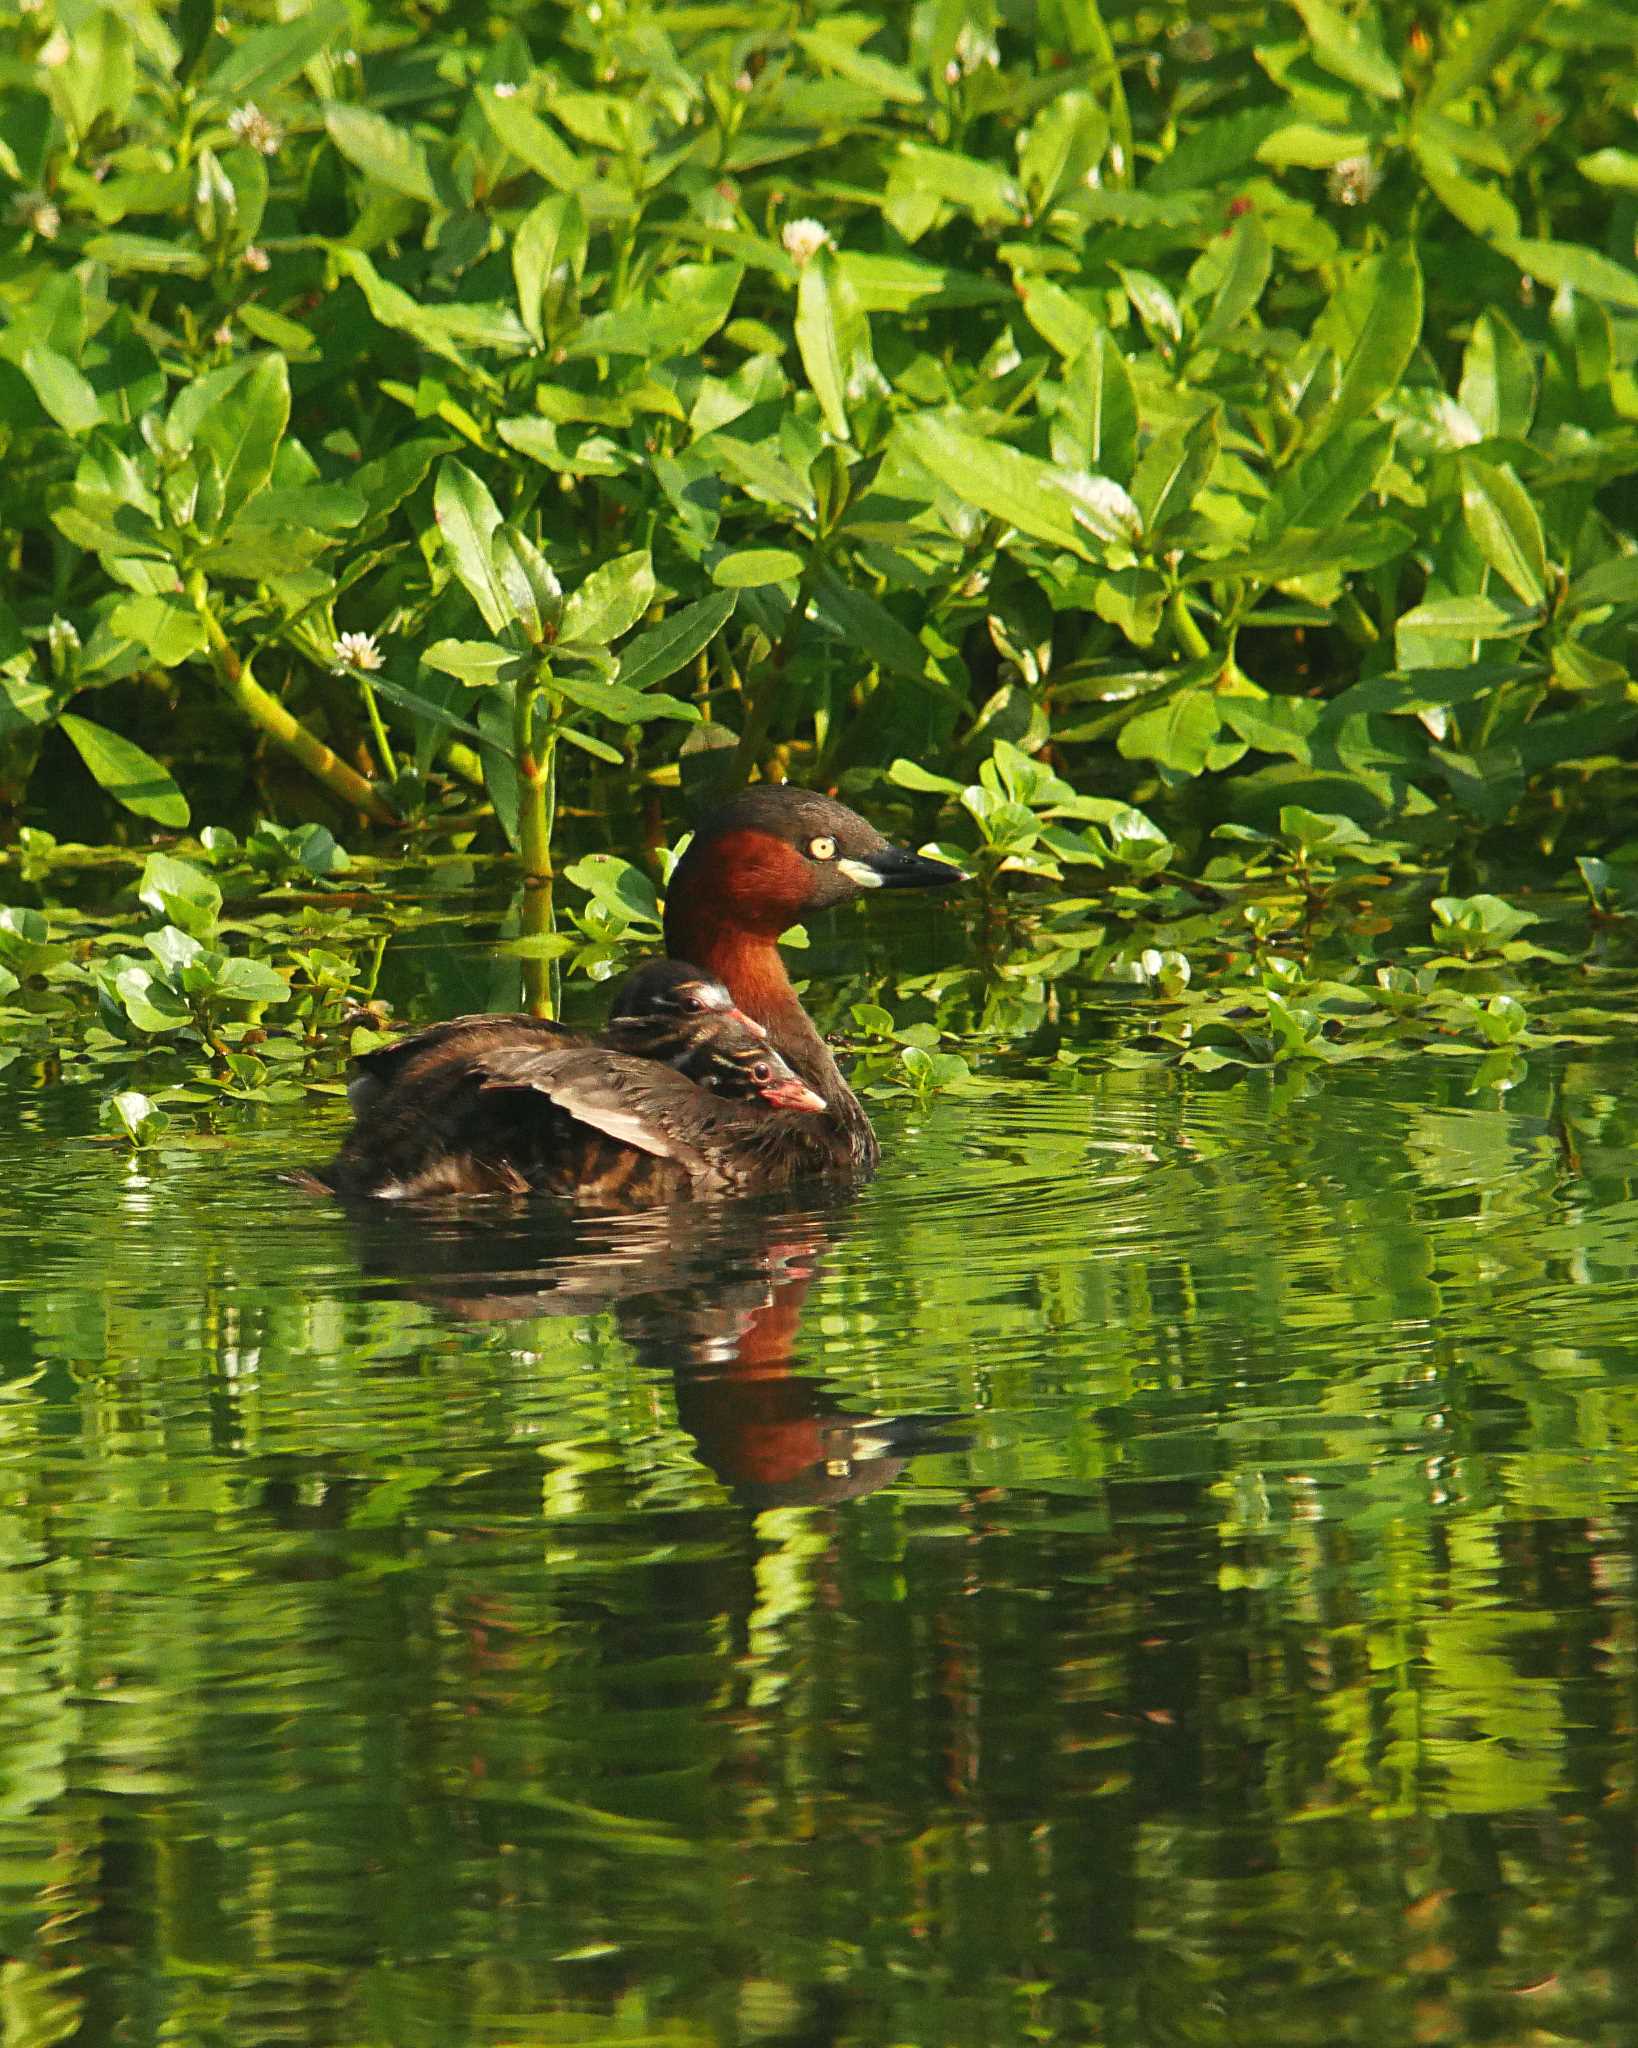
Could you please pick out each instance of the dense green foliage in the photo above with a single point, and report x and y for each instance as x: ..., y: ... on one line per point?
x: 1070, y: 434
x: 1203, y: 395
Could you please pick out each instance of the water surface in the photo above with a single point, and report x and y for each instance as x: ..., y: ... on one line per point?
x: 1155, y: 1567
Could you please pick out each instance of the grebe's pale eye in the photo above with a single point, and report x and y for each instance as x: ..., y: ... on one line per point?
x: 822, y: 848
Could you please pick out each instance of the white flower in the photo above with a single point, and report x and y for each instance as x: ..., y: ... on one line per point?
x: 505, y: 89
x: 1353, y: 181
x: 254, y: 257
x: 249, y: 125
x: 973, y: 51
x: 356, y: 653
x: 803, y: 239
x: 34, y: 211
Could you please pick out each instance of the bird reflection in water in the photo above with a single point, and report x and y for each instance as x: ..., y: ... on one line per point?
x: 710, y: 1292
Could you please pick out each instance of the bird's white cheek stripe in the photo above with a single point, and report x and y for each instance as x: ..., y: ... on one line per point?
x: 857, y: 871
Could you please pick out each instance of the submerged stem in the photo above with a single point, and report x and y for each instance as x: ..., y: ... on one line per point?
x: 536, y: 757
x: 268, y: 715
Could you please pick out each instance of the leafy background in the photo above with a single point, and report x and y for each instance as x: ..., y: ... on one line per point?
x: 1237, y: 402
x: 1178, y: 460
x: 1185, y: 467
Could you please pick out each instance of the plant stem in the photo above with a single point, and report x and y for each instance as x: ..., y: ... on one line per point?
x: 383, y: 746
x: 269, y: 716
x: 1186, y: 634
x: 536, y: 757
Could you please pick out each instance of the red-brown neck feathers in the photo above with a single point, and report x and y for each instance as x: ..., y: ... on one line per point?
x: 730, y: 899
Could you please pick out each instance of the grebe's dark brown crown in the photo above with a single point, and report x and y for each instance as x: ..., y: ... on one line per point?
x: 773, y: 853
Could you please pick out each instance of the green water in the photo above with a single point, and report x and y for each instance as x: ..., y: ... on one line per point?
x: 1156, y: 1567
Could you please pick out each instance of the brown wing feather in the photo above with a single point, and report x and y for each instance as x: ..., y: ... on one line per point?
x: 376, y: 1072
x: 488, y: 1105
x: 634, y: 1101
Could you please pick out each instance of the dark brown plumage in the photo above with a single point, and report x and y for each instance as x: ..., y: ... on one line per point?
x: 667, y: 1103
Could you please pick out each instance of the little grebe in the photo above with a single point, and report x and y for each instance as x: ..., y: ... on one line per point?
x: 666, y: 1104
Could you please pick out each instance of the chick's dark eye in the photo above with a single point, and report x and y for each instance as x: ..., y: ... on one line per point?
x: 761, y: 1072
x: 823, y: 848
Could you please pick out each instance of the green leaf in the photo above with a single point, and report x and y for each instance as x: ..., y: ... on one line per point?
x: 909, y: 775
x: 531, y: 586
x: 239, y: 414
x: 1506, y: 526
x: 548, y: 255
x: 1100, y: 407
x: 984, y: 190
x: 1274, y: 725
x: 1323, y: 488
x: 863, y: 623
x: 1173, y: 468
x: 1584, y: 270
x: 239, y: 980
x: 1305, y: 145
x: 1179, y: 735
x: 620, y: 705
x: 677, y: 640
x: 677, y: 317
x: 382, y: 151
x: 1018, y: 489
x: 1615, y: 169
x: 123, y: 252
x: 171, y: 631
x: 1065, y: 141
x: 1492, y: 918
x: 905, y: 284
x: 1498, y: 387
x: 1478, y: 39
x: 97, y: 75
x: 130, y: 776
x: 447, y: 330
x: 477, y: 663
x: 132, y: 1115
x: 145, y: 997
x: 66, y: 395
x: 1362, y: 544
x: 270, y: 57
x: 1244, y: 268
x: 467, y: 517
x: 1320, y: 831
x: 532, y: 142
x: 610, y: 601
x: 598, y: 749
x: 1351, y: 48
x: 1068, y: 324
x: 1611, y: 583
x: 758, y: 470
x: 618, y: 887
x: 753, y: 568
x: 181, y: 894
x: 1481, y: 209
x: 1460, y: 618
x: 1373, y: 324
x: 832, y: 338
x: 833, y: 50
